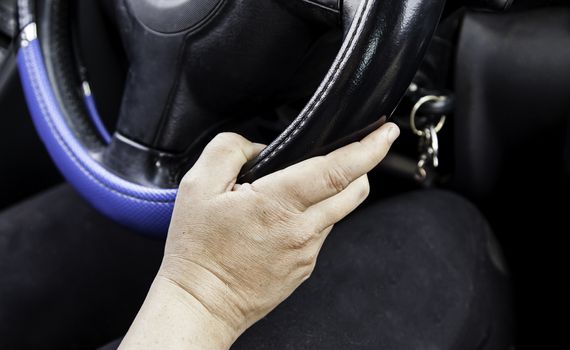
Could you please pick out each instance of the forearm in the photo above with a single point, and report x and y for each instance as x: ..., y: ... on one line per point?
x: 171, y: 318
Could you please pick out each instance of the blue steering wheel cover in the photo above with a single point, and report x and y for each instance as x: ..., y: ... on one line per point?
x: 144, y: 209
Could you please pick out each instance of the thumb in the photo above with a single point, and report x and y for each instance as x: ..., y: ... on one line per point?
x: 219, y: 164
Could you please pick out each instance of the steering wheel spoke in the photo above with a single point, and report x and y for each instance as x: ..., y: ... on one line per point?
x: 180, y: 88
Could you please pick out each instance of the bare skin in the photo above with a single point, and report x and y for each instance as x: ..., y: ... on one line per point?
x: 234, y: 253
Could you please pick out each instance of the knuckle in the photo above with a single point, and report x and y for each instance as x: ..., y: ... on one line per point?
x: 281, y: 202
x: 337, y: 179
x: 188, y: 182
x: 307, y: 260
x: 313, y: 259
x: 227, y: 137
x: 308, y: 272
x: 225, y: 141
x: 364, y: 189
x: 301, y: 239
x: 307, y: 275
x: 272, y: 213
x: 304, y: 262
x: 292, y: 202
x: 323, y: 219
x: 255, y: 198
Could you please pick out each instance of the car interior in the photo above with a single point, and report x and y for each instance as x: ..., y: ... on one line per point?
x: 479, y: 89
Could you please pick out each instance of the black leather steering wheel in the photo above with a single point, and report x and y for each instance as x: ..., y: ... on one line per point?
x: 197, y: 67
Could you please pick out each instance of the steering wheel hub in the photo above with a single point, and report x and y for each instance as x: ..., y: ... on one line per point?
x: 172, y: 16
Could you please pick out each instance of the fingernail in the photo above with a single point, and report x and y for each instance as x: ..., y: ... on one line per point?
x: 393, y: 133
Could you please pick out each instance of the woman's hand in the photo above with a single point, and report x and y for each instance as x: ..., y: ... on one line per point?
x: 235, y: 252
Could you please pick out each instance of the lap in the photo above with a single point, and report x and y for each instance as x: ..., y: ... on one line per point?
x: 414, y: 272
x: 410, y: 272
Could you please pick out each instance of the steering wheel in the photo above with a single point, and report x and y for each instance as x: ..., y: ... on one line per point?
x: 198, y: 66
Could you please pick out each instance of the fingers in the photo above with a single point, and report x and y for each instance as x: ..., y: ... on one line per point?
x: 220, y: 163
x: 316, y: 179
x: 335, y: 208
x: 326, y: 214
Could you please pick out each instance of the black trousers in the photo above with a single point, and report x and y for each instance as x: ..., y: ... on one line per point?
x: 419, y: 271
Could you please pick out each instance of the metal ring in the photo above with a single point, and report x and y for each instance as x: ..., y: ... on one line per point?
x: 418, y: 105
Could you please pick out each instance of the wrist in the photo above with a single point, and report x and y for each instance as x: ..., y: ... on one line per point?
x: 205, y: 287
x: 172, y: 318
x: 195, y: 312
